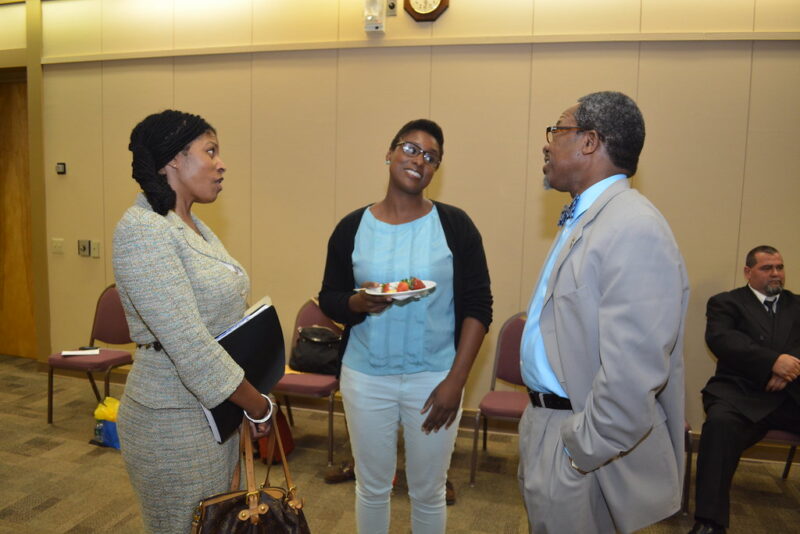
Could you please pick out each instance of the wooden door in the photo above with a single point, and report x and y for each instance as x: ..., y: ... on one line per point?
x: 17, y: 327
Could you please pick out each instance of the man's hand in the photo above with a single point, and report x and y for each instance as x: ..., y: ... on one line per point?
x: 786, y: 367
x: 776, y: 383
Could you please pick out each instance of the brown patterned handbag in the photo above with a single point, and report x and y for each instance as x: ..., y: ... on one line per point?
x: 255, y: 510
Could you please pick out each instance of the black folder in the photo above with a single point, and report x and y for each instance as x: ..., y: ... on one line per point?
x: 256, y: 344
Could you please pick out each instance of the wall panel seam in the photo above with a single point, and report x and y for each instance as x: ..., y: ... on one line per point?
x: 525, y: 180
x: 744, y: 165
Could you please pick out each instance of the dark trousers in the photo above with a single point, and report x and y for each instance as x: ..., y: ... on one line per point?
x: 726, y: 434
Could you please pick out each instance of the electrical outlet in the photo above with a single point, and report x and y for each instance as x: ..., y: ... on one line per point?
x: 95, y: 246
x: 84, y: 247
x: 391, y: 8
x: 57, y: 245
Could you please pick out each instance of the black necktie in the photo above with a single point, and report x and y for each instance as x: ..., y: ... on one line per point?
x: 568, y: 211
x: 769, y: 304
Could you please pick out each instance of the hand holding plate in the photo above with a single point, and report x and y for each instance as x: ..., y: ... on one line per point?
x: 366, y: 302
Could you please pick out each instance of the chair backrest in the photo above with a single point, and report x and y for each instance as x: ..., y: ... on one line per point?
x: 309, y: 315
x: 506, y: 358
x: 110, y: 325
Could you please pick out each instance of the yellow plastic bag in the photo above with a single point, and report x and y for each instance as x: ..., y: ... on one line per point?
x: 107, y: 410
x: 105, y: 429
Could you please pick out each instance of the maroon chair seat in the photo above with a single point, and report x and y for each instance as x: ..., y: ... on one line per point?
x: 504, y: 404
x: 310, y: 384
x: 507, y: 405
x: 109, y: 326
x: 95, y: 363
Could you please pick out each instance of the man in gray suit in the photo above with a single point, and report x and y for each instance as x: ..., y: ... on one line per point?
x: 601, y: 444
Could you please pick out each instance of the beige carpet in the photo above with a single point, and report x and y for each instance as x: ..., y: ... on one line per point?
x: 53, y: 481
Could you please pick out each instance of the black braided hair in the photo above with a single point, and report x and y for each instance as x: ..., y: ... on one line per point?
x: 154, y: 142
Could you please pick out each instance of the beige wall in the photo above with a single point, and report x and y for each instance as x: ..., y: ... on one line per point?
x: 12, y: 26
x: 304, y: 132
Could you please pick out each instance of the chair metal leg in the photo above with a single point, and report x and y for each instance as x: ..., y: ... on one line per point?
x: 330, y: 428
x: 687, y: 476
x: 789, y: 460
x: 94, y: 386
x: 485, y: 430
x: 474, y: 463
x: 288, y: 409
x: 50, y: 395
x: 107, y: 389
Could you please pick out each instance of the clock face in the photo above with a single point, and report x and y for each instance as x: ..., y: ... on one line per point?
x: 426, y: 10
x: 425, y: 6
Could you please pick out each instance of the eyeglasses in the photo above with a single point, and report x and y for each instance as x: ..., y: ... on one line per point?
x: 550, y: 130
x: 413, y: 150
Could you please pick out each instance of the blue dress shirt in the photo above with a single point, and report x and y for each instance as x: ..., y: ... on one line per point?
x: 537, y: 373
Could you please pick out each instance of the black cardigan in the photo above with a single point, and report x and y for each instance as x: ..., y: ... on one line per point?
x: 472, y: 296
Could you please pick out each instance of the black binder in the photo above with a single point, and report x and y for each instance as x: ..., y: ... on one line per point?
x: 256, y: 344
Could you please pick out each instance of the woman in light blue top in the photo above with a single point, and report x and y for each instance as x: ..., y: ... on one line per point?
x: 405, y: 363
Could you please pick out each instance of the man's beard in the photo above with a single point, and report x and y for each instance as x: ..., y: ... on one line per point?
x: 773, y: 288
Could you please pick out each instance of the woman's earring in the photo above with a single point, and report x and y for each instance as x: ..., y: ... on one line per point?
x: 388, y: 162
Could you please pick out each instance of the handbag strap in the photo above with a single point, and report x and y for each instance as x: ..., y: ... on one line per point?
x: 254, y: 507
x: 238, y: 469
x: 275, y: 437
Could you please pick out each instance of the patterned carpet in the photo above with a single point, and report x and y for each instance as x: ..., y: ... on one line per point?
x: 52, y: 480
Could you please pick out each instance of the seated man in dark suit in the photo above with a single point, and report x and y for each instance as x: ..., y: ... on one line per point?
x: 754, y: 331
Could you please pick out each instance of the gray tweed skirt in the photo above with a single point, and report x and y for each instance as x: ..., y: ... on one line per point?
x: 173, y: 462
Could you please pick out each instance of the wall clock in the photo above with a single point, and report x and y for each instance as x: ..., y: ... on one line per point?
x: 425, y: 10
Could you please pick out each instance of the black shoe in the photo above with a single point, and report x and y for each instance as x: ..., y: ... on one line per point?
x: 449, y: 493
x: 705, y: 527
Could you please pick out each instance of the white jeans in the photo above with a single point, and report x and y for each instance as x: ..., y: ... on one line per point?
x: 375, y: 407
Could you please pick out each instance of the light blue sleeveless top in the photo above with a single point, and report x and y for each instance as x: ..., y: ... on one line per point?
x: 410, y: 336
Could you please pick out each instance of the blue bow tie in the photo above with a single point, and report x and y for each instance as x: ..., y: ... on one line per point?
x: 568, y: 211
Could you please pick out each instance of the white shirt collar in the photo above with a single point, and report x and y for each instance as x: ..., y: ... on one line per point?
x: 761, y: 296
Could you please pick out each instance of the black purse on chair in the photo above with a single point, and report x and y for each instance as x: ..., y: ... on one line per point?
x: 316, y: 351
x: 267, y: 509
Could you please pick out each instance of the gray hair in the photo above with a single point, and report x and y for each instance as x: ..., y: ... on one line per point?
x: 617, y: 119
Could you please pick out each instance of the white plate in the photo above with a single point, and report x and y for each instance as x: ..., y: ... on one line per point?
x: 402, y: 295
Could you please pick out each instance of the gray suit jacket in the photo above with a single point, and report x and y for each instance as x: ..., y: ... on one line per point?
x: 613, y: 323
x: 180, y: 289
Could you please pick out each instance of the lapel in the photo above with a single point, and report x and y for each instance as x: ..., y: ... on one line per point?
x: 577, y: 231
x: 207, y: 244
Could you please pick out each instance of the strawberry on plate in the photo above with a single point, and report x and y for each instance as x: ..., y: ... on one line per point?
x: 411, y: 287
x: 416, y: 283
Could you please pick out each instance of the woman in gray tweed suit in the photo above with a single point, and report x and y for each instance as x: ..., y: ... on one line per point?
x: 180, y: 288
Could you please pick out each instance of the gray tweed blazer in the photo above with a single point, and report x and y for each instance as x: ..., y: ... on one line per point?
x: 180, y: 289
